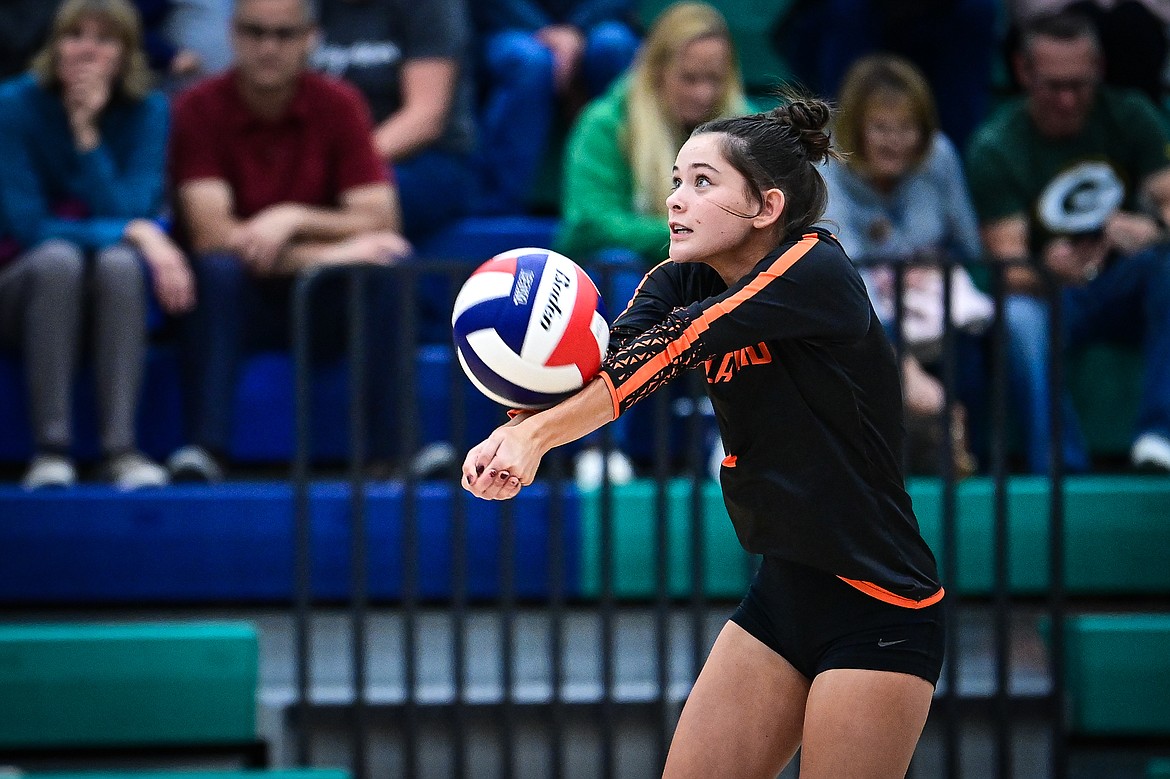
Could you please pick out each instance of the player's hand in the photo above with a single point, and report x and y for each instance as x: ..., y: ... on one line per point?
x: 504, y: 463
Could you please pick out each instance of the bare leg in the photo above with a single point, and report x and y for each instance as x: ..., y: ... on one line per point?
x: 744, y: 715
x: 863, y: 724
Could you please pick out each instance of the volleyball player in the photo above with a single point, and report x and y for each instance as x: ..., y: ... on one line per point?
x: 838, y: 644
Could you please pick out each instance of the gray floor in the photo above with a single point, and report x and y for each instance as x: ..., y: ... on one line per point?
x: 477, y: 733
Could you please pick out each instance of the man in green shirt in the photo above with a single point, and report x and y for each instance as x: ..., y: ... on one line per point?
x: 1075, y: 177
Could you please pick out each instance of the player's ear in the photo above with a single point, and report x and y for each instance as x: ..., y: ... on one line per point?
x: 771, y: 207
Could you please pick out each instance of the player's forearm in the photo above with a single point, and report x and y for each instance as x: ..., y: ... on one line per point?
x: 572, y: 418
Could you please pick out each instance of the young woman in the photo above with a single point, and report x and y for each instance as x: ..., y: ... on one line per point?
x: 81, y: 182
x: 839, y: 641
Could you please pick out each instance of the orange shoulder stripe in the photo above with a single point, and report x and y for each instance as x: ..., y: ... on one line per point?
x: 871, y: 589
x: 700, y: 325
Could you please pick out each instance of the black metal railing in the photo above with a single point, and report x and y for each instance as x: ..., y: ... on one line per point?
x: 561, y: 710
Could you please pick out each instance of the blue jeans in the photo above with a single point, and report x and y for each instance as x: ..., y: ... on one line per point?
x: 521, y: 100
x: 1128, y: 303
x: 239, y: 314
x: 434, y: 189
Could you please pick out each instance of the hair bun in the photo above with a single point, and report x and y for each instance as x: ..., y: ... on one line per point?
x: 808, y: 117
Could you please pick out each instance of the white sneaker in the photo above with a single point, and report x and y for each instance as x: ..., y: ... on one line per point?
x: 436, y: 460
x: 193, y: 463
x: 1151, y: 451
x: 50, y: 470
x: 589, y: 466
x: 134, y: 470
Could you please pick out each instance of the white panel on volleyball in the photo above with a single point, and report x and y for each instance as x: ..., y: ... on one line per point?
x: 487, y: 286
x: 502, y: 361
x: 552, y: 306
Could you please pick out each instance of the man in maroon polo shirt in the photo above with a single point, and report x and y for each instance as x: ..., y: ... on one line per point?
x: 274, y: 171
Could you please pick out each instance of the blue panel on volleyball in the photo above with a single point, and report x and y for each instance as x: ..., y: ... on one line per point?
x: 234, y: 543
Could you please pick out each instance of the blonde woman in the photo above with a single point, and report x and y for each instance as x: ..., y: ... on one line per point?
x: 620, y: 153
x: 81, y: 180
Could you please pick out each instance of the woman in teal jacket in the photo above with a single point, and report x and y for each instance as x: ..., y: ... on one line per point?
x: 82, y: 149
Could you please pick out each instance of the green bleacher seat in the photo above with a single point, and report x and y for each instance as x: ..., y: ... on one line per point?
x: 1158, y: 768
x: 1118, y: 674
x: 1116, y: 532
x: 109, y: 685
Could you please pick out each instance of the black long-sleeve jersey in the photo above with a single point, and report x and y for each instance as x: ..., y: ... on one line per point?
x: 807, y: 396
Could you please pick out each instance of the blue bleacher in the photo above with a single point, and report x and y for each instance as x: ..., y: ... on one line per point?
x: 234, y: 543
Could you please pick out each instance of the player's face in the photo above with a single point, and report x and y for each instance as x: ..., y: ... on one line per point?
x: 706, y: 190
x: 272, y: 40
x: 695, y: 80
x: 1061, y: 79
x: 890, y: 138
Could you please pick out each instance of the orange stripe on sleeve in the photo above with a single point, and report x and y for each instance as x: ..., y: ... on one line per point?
x: 700, y: 325
x: 874, y: 591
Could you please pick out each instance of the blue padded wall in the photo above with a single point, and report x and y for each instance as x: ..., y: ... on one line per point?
x: 234, y: 543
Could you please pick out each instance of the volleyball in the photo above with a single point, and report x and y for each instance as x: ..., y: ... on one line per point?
x: 529, y: 328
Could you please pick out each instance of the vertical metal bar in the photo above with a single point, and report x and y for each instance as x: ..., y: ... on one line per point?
x: 302, y: 297
x: 359, y: 596
x: 1056, y: 526
x: 607, y: 605
x: 556, y: 603
x: 458, y: 383
x: 507, y: 637
x: 662, y: 426
x: 698, y: 540
x: 410, y: 540
x: 949, y: 553
x: 1001, y: 537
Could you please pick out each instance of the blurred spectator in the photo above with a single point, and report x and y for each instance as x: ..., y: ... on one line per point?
x: 1133, y: 35
x: 1076, y: 176
x: 24, y: 25
x: 620, y: 153
x: 202, y: 26
x: 900, y: 195
x: 409, y: 58
x: 275, y: 171
x: 81, y: 180
x: 165, y: 57
x: 541, y: 56
x: 952, y: 41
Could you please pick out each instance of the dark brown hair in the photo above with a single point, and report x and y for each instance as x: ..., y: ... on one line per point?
x: 781, y: 149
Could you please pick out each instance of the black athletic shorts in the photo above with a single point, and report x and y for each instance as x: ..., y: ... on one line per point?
x: 816, y: 622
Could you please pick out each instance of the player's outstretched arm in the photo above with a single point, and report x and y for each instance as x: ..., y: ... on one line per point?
x: 509, y: 458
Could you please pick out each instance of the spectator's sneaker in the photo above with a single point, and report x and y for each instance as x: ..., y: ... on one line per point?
x: 1151, y: 452
x: 50, y: 470
x: 134, y: 471
x: 193, y: 463
x: 436, y: 460
x: 589, y: 464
